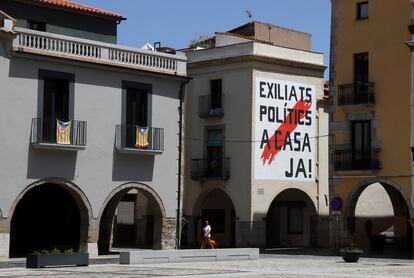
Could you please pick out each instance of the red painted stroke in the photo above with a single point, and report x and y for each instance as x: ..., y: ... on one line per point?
x: 288, y: 125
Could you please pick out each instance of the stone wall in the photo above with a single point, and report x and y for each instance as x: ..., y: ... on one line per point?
x: 168, y: 234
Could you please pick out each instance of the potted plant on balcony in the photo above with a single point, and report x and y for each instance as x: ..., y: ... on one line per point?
x: 56, y: 258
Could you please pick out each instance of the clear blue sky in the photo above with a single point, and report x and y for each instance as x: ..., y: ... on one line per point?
x: 176, y: 23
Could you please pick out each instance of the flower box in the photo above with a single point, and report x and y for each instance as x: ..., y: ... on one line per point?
x: 60, y: 259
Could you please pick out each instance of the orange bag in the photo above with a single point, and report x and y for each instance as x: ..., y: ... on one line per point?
x: 213, y: 242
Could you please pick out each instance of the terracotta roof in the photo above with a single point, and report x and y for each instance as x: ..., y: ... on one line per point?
x: 74, y: 7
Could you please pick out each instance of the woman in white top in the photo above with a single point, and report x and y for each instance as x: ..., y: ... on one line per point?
x: 206, y: 236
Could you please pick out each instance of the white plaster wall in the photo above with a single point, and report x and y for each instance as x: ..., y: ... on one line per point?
x: 315, y: 190
x: 236, y: 82
x: 98, y: 169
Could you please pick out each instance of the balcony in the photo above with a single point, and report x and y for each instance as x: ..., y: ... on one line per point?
x: 49, y: 133
x: 133, y: 139
x: 206, y: 110
x: 353, y: 94
x: 353, y: 160
x: 206, y: 169
x: 54, y: 45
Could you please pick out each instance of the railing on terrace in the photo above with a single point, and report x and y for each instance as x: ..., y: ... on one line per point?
x: 210, y: 169
x: 349, y: 94
x: 139, y: 139
x: 45, y: 131
x: 207, y: 110
x: 93, y: 51
x: 349, y: 160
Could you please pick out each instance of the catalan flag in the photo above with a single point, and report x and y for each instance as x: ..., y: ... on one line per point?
x: 141, y: 140
x: 63, y: 132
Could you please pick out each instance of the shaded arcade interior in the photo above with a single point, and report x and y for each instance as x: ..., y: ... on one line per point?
x: 378, y: 220
x: 131, y: 219
x: 216, y: 207
x: 48, y: 216
x: 291, y: 220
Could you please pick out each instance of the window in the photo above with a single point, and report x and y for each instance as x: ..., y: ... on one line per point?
x: 361, y: 144
x: 361, y: 76
x: 295, y: 220
x: 215, y: 93
x: 362, y: 10
x: 56, y: 99
x: 36, y: 25
x: 136, y: 111
x: 214, y: 152
x: 136, y: 114
x: 55, y: 106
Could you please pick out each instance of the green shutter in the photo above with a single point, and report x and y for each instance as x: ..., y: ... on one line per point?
x: 214, y: 138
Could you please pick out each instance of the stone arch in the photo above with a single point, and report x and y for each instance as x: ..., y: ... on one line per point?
x: 401, y: 205
x: 304, y: 190
x: 291, y: 217
x: 109, y: 207
x: 221, y: 214
x: 78, y: 196
x: 390, y: 186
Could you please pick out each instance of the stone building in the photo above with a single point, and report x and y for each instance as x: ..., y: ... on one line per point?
x: 89, y: 148
x: 256, y: 140
x: 372, y: 123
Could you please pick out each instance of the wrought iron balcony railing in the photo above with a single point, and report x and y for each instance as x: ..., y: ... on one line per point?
x: 207, y: 110
x: 351, y: 94
x: 60, y: 133
x: 204, y: 168
x: 348, y: 160
x: 137, y: 139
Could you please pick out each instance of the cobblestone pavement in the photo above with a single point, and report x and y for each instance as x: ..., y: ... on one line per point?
x: 267, y: 266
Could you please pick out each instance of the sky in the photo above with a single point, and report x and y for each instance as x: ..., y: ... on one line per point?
x: 176, y: 23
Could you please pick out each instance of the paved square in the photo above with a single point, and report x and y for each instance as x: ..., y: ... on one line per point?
x: 291, y: 266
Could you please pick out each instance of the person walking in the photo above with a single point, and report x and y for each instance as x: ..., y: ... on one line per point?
x: 206, y: 236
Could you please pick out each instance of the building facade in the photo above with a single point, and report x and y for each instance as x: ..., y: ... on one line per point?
x: 256, y: 144
x: 90, y: 140
x: 370, y: 87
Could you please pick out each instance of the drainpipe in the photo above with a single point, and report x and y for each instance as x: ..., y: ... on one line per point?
x: 180, y: 146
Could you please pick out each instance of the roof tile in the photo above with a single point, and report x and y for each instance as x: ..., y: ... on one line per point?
x: 65, y: 4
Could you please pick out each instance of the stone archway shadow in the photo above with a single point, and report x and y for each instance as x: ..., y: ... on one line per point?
x: 401, y: 205
x: 79, y: 198
x: 108, y: 209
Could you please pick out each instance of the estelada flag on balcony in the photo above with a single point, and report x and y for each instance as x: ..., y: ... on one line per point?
x: 141, y: 139
x: 63, y: 132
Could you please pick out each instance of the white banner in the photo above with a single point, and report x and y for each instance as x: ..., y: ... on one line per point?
x: 285, y: 130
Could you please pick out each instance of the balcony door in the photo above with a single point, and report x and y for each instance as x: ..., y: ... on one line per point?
x: 56, y: 99
x: 361, y: 77
x: 136, y: 113
x: 215, y: 150
x: 55, y: 106
x: 361, y: 144
x: 215, y: 93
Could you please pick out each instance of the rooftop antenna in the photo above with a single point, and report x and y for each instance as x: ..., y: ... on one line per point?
x: 249, y: 15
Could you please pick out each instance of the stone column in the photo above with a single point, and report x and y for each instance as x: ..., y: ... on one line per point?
x: 251, y: 233
x: 168, y: 233
x: 4, y: 245
x: 4, y: 238
x: 93, y: 235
